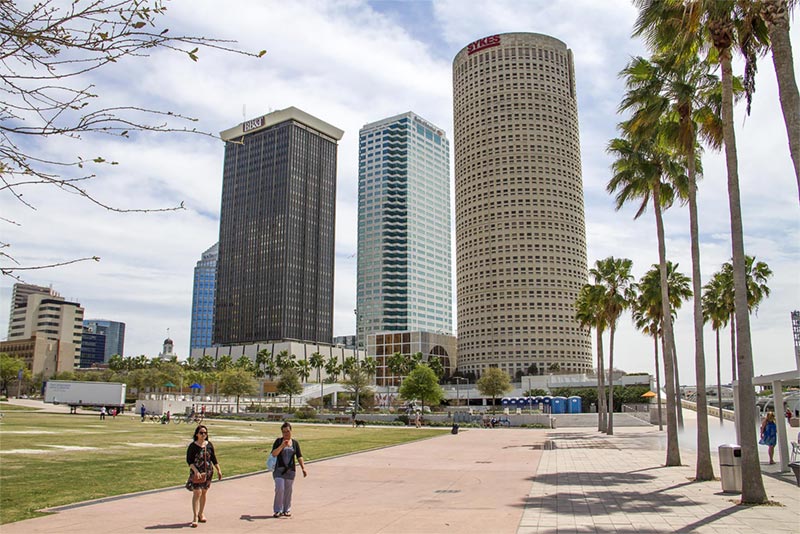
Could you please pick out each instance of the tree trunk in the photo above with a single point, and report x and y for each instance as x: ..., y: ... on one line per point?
x: 673, y: 449
x: 733, y: 347
x: 705, y: 469
x: 602, y: 422
x: 610, y: 427
x: 658, y: 383
x: 719, y: 379
x: 752, y: 484
x: 678, y: 396
x: 781, y: 45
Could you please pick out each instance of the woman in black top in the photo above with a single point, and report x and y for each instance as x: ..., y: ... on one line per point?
x: 286, y: 450
x: 202, y: 462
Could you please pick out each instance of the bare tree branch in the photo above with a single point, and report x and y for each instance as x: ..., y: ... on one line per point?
x: 46, y: 49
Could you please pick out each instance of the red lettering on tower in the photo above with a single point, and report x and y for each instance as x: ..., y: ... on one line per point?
x: 481, y: 44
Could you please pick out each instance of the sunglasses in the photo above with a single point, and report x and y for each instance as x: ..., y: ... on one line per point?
x: 203, y: 433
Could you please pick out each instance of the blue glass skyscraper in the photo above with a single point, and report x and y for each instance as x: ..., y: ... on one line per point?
x: 404, y: 255
x: 205, y: 282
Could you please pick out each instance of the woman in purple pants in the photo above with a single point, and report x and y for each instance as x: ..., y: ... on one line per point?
x: 286, y: 450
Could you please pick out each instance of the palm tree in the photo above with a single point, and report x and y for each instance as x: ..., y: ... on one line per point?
x: 722, y: 24
x: 642, y: 164
x: 676, y: 84
x: 332, y: 368
x: 303, y: 369
x: 649, y: 323
x: 756, y: 276
x: 614, y: 275
x: 589, y: 314
x: 318, y: 362
x: 716, y: 310
x: 775, y: 14
x: 396, y: 364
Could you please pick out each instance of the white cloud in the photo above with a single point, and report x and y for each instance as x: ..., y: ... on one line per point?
x: 349, y: 64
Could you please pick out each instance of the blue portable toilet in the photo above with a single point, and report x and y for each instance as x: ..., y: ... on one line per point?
x: 547, y: 404
x: 504, y: 401
x: 559, y: 405
x: 537, y: 402
x: 574, y: 404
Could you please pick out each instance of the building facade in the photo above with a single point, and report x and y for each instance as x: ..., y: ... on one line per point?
x: 114, y: 332
x: 404, y: 248
x: 41, y: 313
x: 205, y: 283
x: 383, y: 346
x: 276, y: 238
x: 93, y: 348
x: 520, y: 229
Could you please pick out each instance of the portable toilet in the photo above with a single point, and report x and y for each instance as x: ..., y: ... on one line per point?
x: 537, y: 402
x: 574, y: 404
x: 547, y: 404
x: 504, y: 401
x: 559, y: 405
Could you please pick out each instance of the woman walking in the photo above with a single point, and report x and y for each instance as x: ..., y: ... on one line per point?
x: 769, y: 435
x: 285, y: 450
x: 202, y: 462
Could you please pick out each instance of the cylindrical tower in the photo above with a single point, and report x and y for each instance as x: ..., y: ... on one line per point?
x: 520, y: 230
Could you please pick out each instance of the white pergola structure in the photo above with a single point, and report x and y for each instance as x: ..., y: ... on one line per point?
x: 777, y: 381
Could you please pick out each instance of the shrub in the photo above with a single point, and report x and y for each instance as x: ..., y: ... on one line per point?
x: 306, y: 412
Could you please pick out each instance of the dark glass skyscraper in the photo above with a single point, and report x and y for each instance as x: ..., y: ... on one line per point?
x: 276, y: 237
x: 205, y: 283
x: 114, y: 332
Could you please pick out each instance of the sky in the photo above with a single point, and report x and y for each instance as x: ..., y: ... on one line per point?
x: 354, y: 62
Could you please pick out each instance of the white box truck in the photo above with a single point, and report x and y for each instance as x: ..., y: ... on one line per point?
x: 72, y: 393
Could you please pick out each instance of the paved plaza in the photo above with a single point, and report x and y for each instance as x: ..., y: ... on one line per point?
x: 570, y: 480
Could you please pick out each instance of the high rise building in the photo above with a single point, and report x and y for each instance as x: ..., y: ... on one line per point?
x: 276, y: 236
x: 520, y: 231
x: 114, y: 331
x: 404, y: 255
x: 93, y: 348
x: 40, y: 312
x: 205, y: 282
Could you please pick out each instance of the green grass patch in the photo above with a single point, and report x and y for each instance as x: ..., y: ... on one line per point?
x: 8, y: 407
x: 56, y: 459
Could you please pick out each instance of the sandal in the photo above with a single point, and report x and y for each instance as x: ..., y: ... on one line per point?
x: 202, y: 519
x: 193, y: 524
x: 287, y: 514
x: 276, y: 515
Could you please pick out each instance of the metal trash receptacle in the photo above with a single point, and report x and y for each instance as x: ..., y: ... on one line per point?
x: 730, y: 468
x: 454, y: 430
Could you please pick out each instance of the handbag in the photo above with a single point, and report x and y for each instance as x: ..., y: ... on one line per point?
x: 198, y: 478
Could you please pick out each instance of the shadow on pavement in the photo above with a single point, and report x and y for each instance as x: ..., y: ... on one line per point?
x: 592, y: 479
x: 248, y: 517
x: 168, y: 527
x: 584, y: 502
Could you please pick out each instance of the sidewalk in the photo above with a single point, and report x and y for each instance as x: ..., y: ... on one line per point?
x: 479, y: 481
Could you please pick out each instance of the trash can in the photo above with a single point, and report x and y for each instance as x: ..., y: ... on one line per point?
x: 730, y: 468
x: 454, y: 430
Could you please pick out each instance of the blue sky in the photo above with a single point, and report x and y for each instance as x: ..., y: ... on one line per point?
x: 351, y: 63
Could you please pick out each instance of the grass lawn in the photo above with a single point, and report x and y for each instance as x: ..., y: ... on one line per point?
x: 7, y: 406
x: 51, y: 459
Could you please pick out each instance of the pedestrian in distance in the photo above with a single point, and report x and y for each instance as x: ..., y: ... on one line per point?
x: 143, y: 412
x: 102, y: 413
x: 769, y: 435
x: 202, y: 461
x: 418, y: 420
x: 286, y: 450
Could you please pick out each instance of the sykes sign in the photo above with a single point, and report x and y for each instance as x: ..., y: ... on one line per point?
x: 252, y: 124
x: 480, y: 44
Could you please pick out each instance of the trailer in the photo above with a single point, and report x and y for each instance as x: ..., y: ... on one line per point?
x: 85, y: 394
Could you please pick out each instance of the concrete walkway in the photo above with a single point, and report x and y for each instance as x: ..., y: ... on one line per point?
x: 479, y: 481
